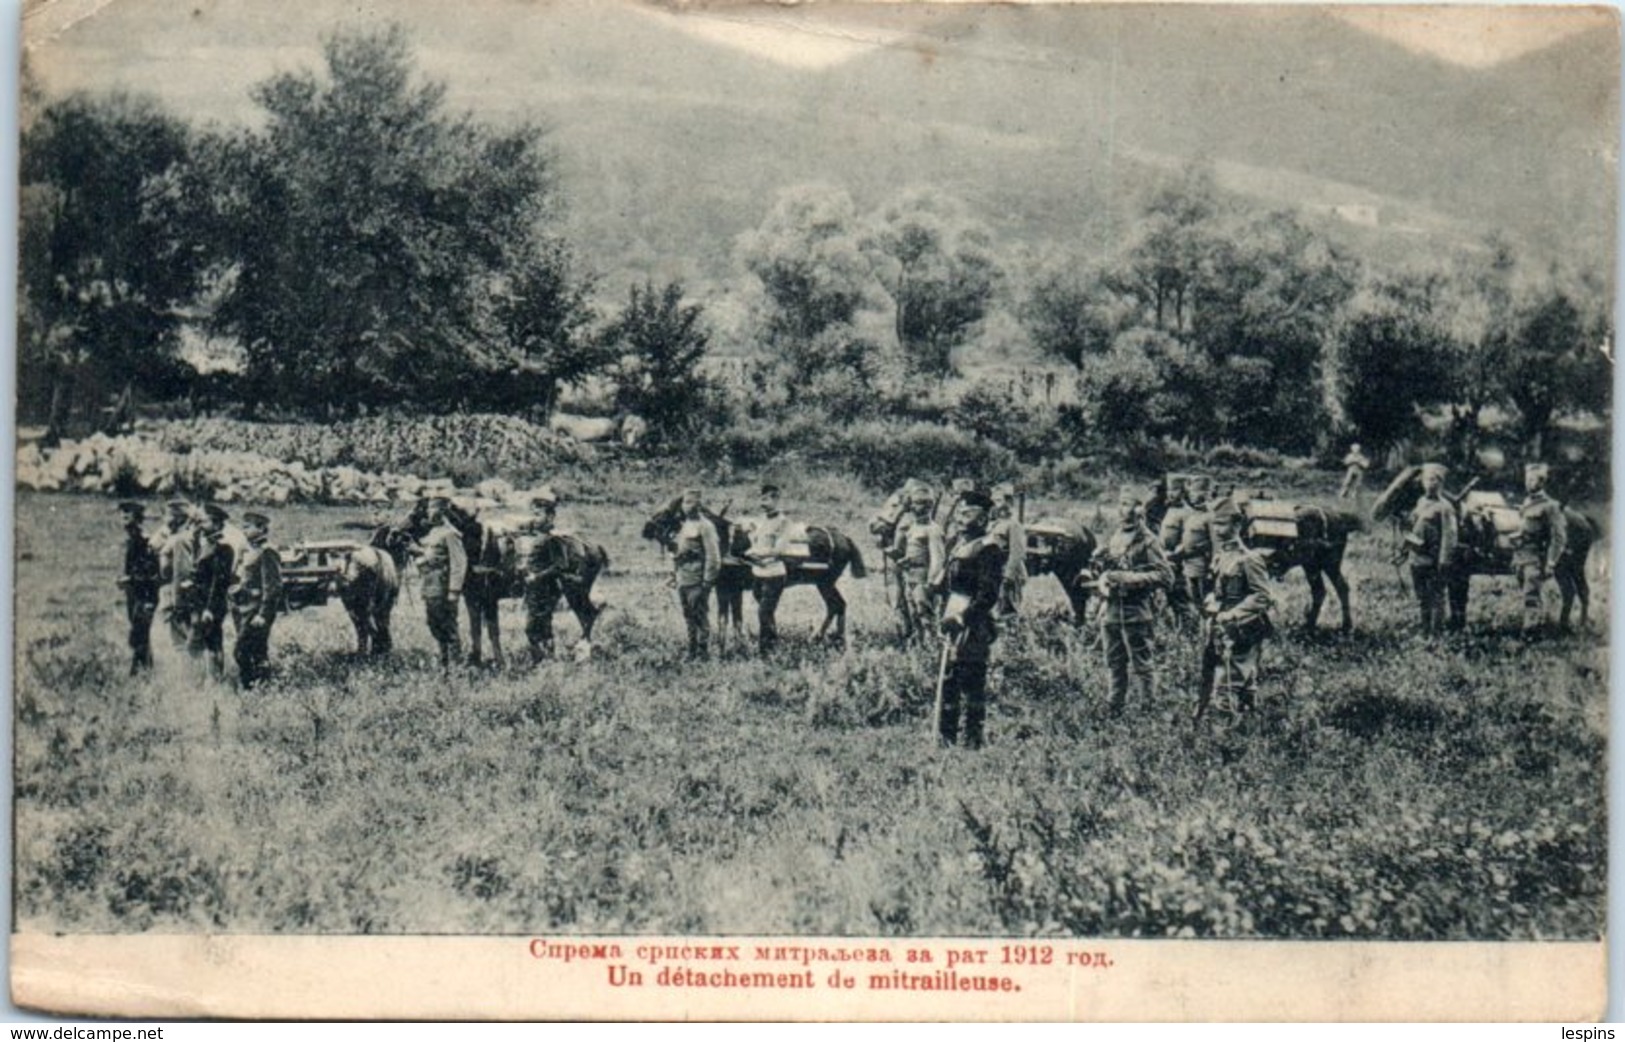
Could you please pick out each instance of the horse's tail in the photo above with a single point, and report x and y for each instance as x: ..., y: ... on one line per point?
x: 859, y: 569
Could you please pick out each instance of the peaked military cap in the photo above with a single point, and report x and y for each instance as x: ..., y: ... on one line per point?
x: 256, y: 519
x: 130, y: 506
x: 1133, y: 492
x: 1431, y: 469
x: 770, y: 488
x: 1004, y: 490
x: 216, y: 512
x: 544, y: 496
x: 1537, y: 470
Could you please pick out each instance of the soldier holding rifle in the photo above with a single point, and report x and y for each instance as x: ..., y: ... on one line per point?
x: 1236, y: 619
x: 974, y: 576
x: 140, y: 583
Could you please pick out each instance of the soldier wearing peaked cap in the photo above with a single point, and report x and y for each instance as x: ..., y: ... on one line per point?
x: 767, y: 566
x: 178, y: 546
x: 551, y: 572
x: 1169, y: 533
x: 696, y: 563
x: 1542, y: 538
x: 918, y: 548
x: 1127, y: 571
x: 256, y: 598
x: 1236, y: 616
x: 140, y: 582
x: 1194, y: 553
x: 212, y: 576
x: 1007, y: 528
x: 974, y: 576
x: 442, y: 571
x: 1430, y: 547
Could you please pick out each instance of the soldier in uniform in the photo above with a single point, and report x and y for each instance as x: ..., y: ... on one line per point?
x: 211, y: 577
x: 1355, y: 464
x: 443, y: 568
x: 177, y: 557
x: 1127, y: 571
x: 1194, y: 556
x: 256, y: 597
x: 1012, y: 536
x: 1431, y: 547
x: 767, y: 567
x: 1169, y: 532
x: 696, y: 561
x: 974, y: 576
x: 544, y: 566
x: 917, y: 547
x: 140, y: 583
x: 1542, y: 538
x: 1237, y: 620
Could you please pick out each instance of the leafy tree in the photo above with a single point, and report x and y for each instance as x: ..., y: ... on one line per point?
x: 808, y: 258
x: 661, y: 342
x: 1392, y: 357
x: 108, y: 258
x: 1172, y: 247
x: 1070, y: 312
x: 1556, y: 365
x: 939, y: 266
x: 385, y: 249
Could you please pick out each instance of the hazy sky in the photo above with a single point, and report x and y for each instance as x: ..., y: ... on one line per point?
x: 200, y: 55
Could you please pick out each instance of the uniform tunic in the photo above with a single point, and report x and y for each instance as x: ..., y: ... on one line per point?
x: 211, y: 577
x: 1011, y: 536
x: 555, y: 565
x: 919, y: 551
x: 256, y: 598
x: 1134, y: 566
x: 177, y: 556
x: 974, y: 576
x: 1195, y: 555
x: 1238, y: 630
x: 1542, y: 538
x: 141, y: 581
x: 1431, y: 548
x: 768, y: 569
x: 696, y: 560
x: 443, y: 570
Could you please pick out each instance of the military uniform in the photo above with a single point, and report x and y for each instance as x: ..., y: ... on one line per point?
x: 696, y: 560
x: 140, y: 582
x: 1542, y: 538
x: 211, y: 577
x: 443, y: 569
x: 256, y: 598
x: 1238, y: 625
x: 1355, y: 464
x: 974, y: 576
x: 1194, y: 552
x: 768, y: 571
x: 1170, y: 531
x: 1430, y: 548
x: 1011, y: 535
x: 1134, y: 567
x: 178, y: 547
x: 918, y: 548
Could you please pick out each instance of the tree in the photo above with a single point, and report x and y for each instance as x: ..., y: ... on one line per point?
x: 661, y: 342
x: 808, y: 258
x: 1556, y: 365
x: 382, y: 248
x: 108, y: 258
x: 1172, y: 246
x: 1392, y: 357
x: 1070, y: 312
x: 939, y: 267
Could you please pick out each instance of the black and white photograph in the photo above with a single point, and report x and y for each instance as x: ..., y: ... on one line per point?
x: 954, y: 492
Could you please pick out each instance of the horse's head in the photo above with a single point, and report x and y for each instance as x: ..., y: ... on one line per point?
x: 394, y: 540
x: 663, y: 524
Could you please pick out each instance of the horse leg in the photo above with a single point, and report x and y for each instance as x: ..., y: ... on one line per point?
x: 358, y: 619
x: 579, y: 598
x: 382, y: 643
x: 1317, y: 594
x: 1570, y: 582
x: 1078, y: 596
x: 1341, y: 585
x: 834, y: 613
x: 493, y: 623
x: 471, y: 601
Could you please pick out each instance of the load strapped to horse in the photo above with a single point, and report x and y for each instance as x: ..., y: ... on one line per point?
x: 1303, y: 535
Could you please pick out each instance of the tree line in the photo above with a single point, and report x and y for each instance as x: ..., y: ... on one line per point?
x: 364, y: 246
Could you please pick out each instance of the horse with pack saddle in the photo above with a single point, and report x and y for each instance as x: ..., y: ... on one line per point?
x: 1307, y: 536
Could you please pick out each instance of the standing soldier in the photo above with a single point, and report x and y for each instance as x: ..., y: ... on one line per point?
x: 1431, y: 546
x: 1128, y: 571
x: 1237, y: 620
x: 917, y: 547
x: 256, y: 597
x: 1355, y: 464
x: 1194, y: 557
x: 1542, y: 539
x: 696, y: 560
x: 974, y: 576
x: 211, y: 577
x: 1170, y: 532
x: 551, y: 573
x: 140, y: 583
x: 443, y: 568
x: 1007, y: 528
x: 767, y: 567
x: 177, y: 558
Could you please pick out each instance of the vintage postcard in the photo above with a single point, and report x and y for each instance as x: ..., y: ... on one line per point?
x: 589, y: 509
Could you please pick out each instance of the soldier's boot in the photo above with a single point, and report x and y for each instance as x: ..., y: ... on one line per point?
x: 540, y: 651
x: 975, y: 718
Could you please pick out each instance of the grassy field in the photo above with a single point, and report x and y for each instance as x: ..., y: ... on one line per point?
x: 1387, y: 788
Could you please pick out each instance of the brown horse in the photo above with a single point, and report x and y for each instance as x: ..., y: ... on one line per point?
x: 1302, y: 535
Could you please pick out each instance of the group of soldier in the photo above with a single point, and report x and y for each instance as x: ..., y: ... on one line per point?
x: 958, y: 578
x: 211, y: 570
x: 970, y: 578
